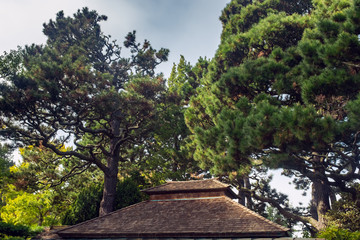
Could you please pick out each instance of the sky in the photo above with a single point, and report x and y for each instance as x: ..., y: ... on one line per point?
x: 186, y: 27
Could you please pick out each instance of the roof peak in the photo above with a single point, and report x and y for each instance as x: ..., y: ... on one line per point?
x: 188, y: 185
x: 190, y: 189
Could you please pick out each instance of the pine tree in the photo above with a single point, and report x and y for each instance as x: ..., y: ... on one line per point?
x: 282, y: 92
x: 78, y: 89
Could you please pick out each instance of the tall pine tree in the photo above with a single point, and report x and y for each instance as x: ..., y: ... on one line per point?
x: 78, y: 89
x: 282, y: 92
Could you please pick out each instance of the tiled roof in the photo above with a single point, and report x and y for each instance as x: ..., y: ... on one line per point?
x: 203, y: 217
x: 175, y: 186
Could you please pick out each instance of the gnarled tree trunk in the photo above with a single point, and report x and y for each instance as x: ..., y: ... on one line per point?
x: 320, y: 203
x: 110, y: 175
x: 109, y: 193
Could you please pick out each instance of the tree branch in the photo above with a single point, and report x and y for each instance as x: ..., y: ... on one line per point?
x: 72, y: 173
x: 287, y: 214
x: 56, y: 150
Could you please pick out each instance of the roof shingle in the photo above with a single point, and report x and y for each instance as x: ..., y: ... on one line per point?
x: 188, y: 217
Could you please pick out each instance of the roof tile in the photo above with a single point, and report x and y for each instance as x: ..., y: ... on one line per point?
x: 177, y: 216
x: 205, y: 217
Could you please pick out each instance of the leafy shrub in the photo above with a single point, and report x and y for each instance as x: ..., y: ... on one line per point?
x: 17, y: 232
x: 7, y: 229
x: 127, y: 193
x: 335, y: 233
x: 345, y: 213
x: 87, y: 204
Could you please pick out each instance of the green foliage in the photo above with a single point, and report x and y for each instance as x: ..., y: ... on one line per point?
x: 335, y: 233
x: 273, y: 215
x: 282, y: 92
x: 78, y: 89
x: 240, y: 15
x: 15, y: 232
x: 240, y: 70
x: 127, y: 193
x: 29, y: 200
x: 184, y: 78
x: 345, y: 212
x: 168, y: 154
x: 41, y: 168
x: 5, y: 164
x: 31, y: 209
x: 87, y: 203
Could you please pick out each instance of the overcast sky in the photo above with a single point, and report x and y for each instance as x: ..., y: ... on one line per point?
x: 186, y: 27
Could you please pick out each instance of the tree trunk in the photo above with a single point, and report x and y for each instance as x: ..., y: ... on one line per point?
x: 244, y: 196
x: 241, y: 194
x: 320, y: 203
x: 107, y: 203
x: 109, y: 193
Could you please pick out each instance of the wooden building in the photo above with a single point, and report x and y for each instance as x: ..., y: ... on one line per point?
x: 180, y: 210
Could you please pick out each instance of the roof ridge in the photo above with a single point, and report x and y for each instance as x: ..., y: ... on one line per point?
x: 218, y: 181
x: 195, y: 180
x: 108, y: 214
x: 224, y: 185
x: 147, y: 189
x: 257, y: 215
x: 184, y: 199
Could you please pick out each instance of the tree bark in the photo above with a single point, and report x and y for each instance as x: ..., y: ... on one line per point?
x: 109, y: 193
x: 241, y: 194
x: 249, y: 202
x: 320, y: 203
x: 244, y: 197
x: 110, y: 175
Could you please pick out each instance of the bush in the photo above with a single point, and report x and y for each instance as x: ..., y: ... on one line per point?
x: 17, y: 232
x: 7, y: 229
x: 345, y: 213
x: 87, y: 204
x: 127, y: 193
x: 335, y: 233
x: 13, y: 238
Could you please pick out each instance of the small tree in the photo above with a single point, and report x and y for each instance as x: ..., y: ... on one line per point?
x: 30, y: 209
